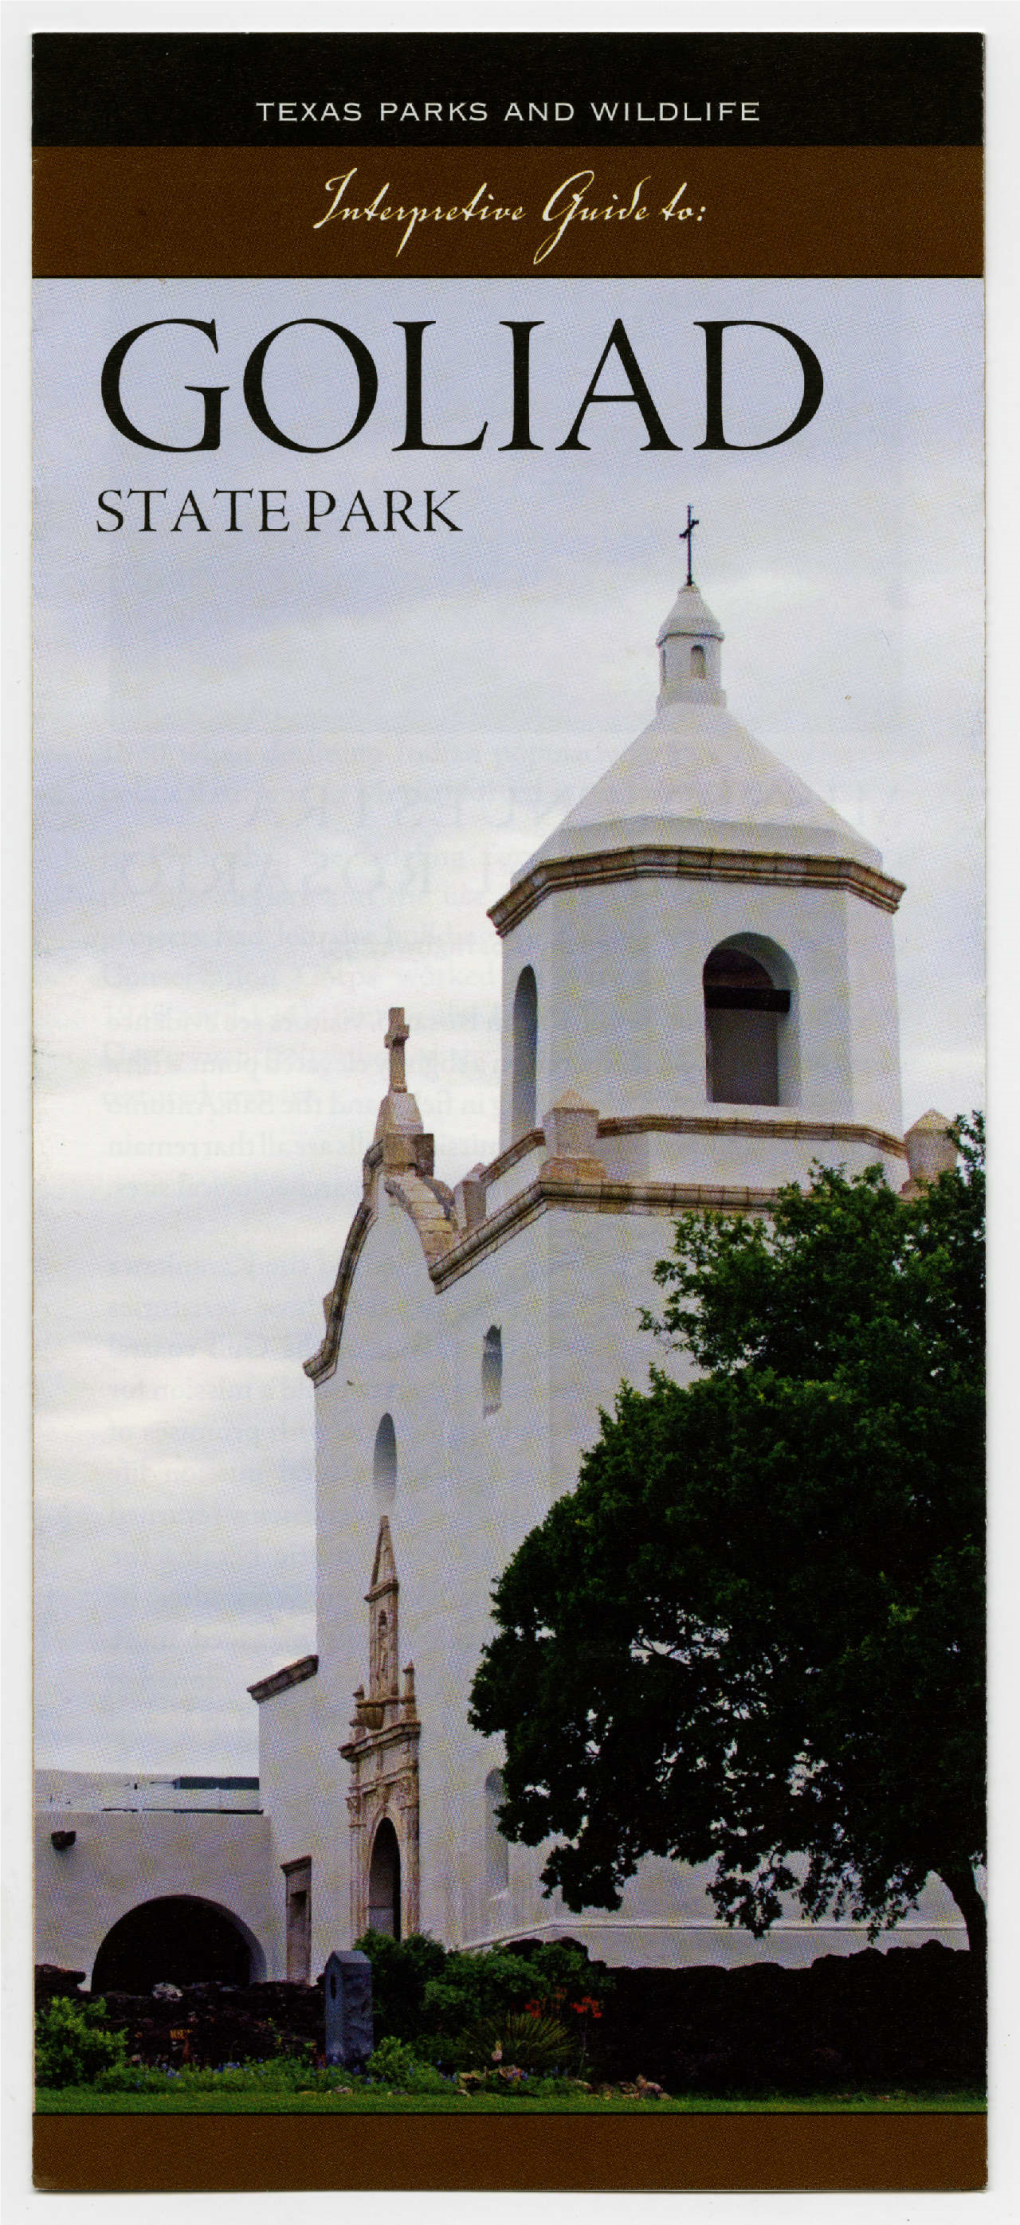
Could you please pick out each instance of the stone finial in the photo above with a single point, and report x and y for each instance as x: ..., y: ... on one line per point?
x: 399, y: 1126
x: 930, y: 1152
x: 384, y: 1567
x: 571, y: 1137
x: 469, y: 1199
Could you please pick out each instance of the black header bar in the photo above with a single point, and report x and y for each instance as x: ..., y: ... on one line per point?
x: 694, y: 88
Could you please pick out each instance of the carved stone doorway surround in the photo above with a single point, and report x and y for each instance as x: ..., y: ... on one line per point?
x: 383, y: 1750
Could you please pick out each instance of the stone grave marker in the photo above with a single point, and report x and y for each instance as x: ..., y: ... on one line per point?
x: 348, y: 2008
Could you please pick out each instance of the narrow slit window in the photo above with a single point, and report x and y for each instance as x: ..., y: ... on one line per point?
x: 525, y: 1051
x: 384, y: 1463
x: 492, y: 1371
x: 697, y: 662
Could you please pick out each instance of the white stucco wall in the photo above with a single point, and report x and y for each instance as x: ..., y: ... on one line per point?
x: 119, y: 1860
x: 304, y: 1783
x: 621, y: 1006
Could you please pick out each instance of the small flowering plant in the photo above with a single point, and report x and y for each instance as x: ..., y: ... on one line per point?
x: 576, y: 2017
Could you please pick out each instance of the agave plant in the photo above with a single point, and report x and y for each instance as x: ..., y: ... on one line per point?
x: 519, y: 2040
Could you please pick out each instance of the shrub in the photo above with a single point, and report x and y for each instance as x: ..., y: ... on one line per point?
x: 534, y: 2044
x: 395, y: 2064
x: 74, y: 2043
x: 401, y: 1970
x: 429, y: 1997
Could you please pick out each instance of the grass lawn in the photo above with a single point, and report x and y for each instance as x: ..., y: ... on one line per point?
x: 84, y: 2101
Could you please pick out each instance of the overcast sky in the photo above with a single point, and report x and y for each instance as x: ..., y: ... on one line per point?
x: 280, y: 777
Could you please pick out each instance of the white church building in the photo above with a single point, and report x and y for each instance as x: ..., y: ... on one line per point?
x: 699, y: 1000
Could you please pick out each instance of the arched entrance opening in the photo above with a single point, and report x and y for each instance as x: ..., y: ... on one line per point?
x: 384, y: 1882
x: 176, y: 1940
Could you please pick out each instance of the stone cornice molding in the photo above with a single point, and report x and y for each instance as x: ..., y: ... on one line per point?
x: 399, y: 1738
x: 801, y: 1131
x: 296, y: 1672
x: 533, y: 1141
x: 586, y: 1195
x: 451, y: 1252
x: 707, y: 1124
x: 670, y: 861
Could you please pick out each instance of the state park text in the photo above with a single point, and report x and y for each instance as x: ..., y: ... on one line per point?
x: 275, y: 510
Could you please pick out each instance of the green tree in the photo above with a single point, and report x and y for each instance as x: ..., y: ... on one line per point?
x: 753, y: 1635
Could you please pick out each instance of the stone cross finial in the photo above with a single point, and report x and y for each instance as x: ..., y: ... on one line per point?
x: 395, y: 1038
x: 688, y: 536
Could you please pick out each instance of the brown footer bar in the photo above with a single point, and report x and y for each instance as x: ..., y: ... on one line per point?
x: 915, y: 2153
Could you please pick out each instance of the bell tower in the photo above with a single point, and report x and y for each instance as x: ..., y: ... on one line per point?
x: 702, y: 938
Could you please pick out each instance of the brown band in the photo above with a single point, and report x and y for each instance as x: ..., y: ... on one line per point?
x: 253, y: 212
x: 880, y: 2153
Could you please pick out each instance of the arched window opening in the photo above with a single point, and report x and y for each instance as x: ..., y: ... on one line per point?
x: 497, y: 1852
x: 492, y: 1371
x: 743, y: 1009
x: 384, y: 1882
x: 384, y: 1463
x: 522, y: 1107
x: 175, y: 1940
x: 697, y: 662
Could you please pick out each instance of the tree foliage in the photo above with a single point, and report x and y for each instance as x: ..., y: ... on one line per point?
x: 753, y: 1635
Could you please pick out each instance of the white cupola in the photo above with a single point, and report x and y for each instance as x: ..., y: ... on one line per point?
x: 701, y: 936
x: 689, y: 643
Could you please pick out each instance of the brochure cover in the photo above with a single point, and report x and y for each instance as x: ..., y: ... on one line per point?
x: 508, y: 632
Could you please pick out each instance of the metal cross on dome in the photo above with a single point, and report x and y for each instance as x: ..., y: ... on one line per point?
x: 688, y: 536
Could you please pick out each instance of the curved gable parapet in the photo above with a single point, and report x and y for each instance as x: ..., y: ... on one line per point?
x: 428, y: 1203
x: 324, y: 1360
